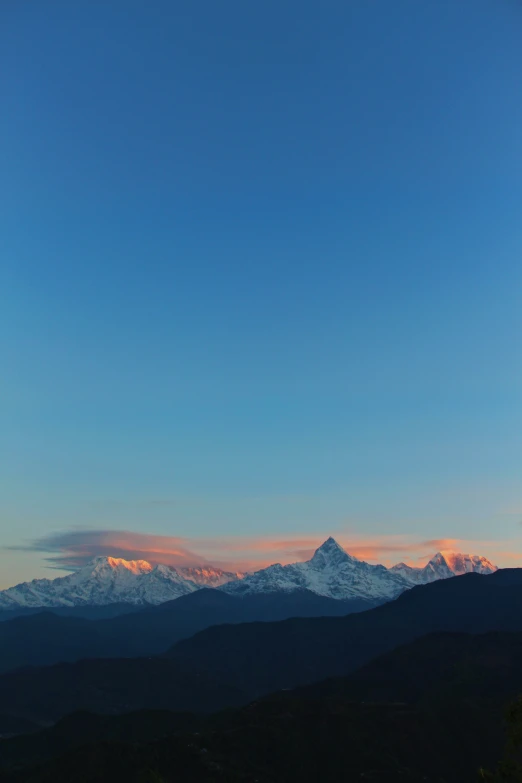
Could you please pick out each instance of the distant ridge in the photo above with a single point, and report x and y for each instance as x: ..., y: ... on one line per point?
x: 109, y: 580
x: 331, y: 572
x: 334, y: 573
x: 444, y: 565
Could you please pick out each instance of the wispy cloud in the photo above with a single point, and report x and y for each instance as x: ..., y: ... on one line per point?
x: 70, y: 549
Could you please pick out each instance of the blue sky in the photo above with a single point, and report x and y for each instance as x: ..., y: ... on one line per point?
x: 260, y: 271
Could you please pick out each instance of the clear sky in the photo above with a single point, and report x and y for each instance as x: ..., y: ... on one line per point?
x: 260, y: 274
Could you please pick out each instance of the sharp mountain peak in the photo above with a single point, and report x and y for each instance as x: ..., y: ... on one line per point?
x: 331, y: 572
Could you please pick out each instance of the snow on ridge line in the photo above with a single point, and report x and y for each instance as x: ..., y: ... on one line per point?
x: 331, y: 572
x: 335, y: 573
x: 108, y: 580
x: 444, y: 565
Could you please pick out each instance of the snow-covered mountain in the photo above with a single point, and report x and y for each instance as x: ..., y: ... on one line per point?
x: 208, y: 576
x: 444, y: 565
x: 108, y: 580
x: 331, y: 572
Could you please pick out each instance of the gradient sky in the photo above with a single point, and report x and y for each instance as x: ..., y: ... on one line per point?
x: 260, y: 275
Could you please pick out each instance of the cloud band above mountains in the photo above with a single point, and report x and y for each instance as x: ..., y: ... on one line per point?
x: 70, y: 549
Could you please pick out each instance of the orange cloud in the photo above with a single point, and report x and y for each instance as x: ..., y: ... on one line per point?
x: 70, y: 549
x: 510, y: 556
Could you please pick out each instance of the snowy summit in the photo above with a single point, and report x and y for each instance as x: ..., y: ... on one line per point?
x: 109, y: 580
x: 444, y: 565
x: 331, y: 572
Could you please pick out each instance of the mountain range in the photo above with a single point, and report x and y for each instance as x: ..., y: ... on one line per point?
x: 444, y: 565
x: 388, y: 722
x: 331, y: 572
x: 232, y: 664
x: 381, y: 716
x: 334, y: 573
x: 109, y: 580
x: 50, y: 636
x: 265, y: 657
x: 335, y: 731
